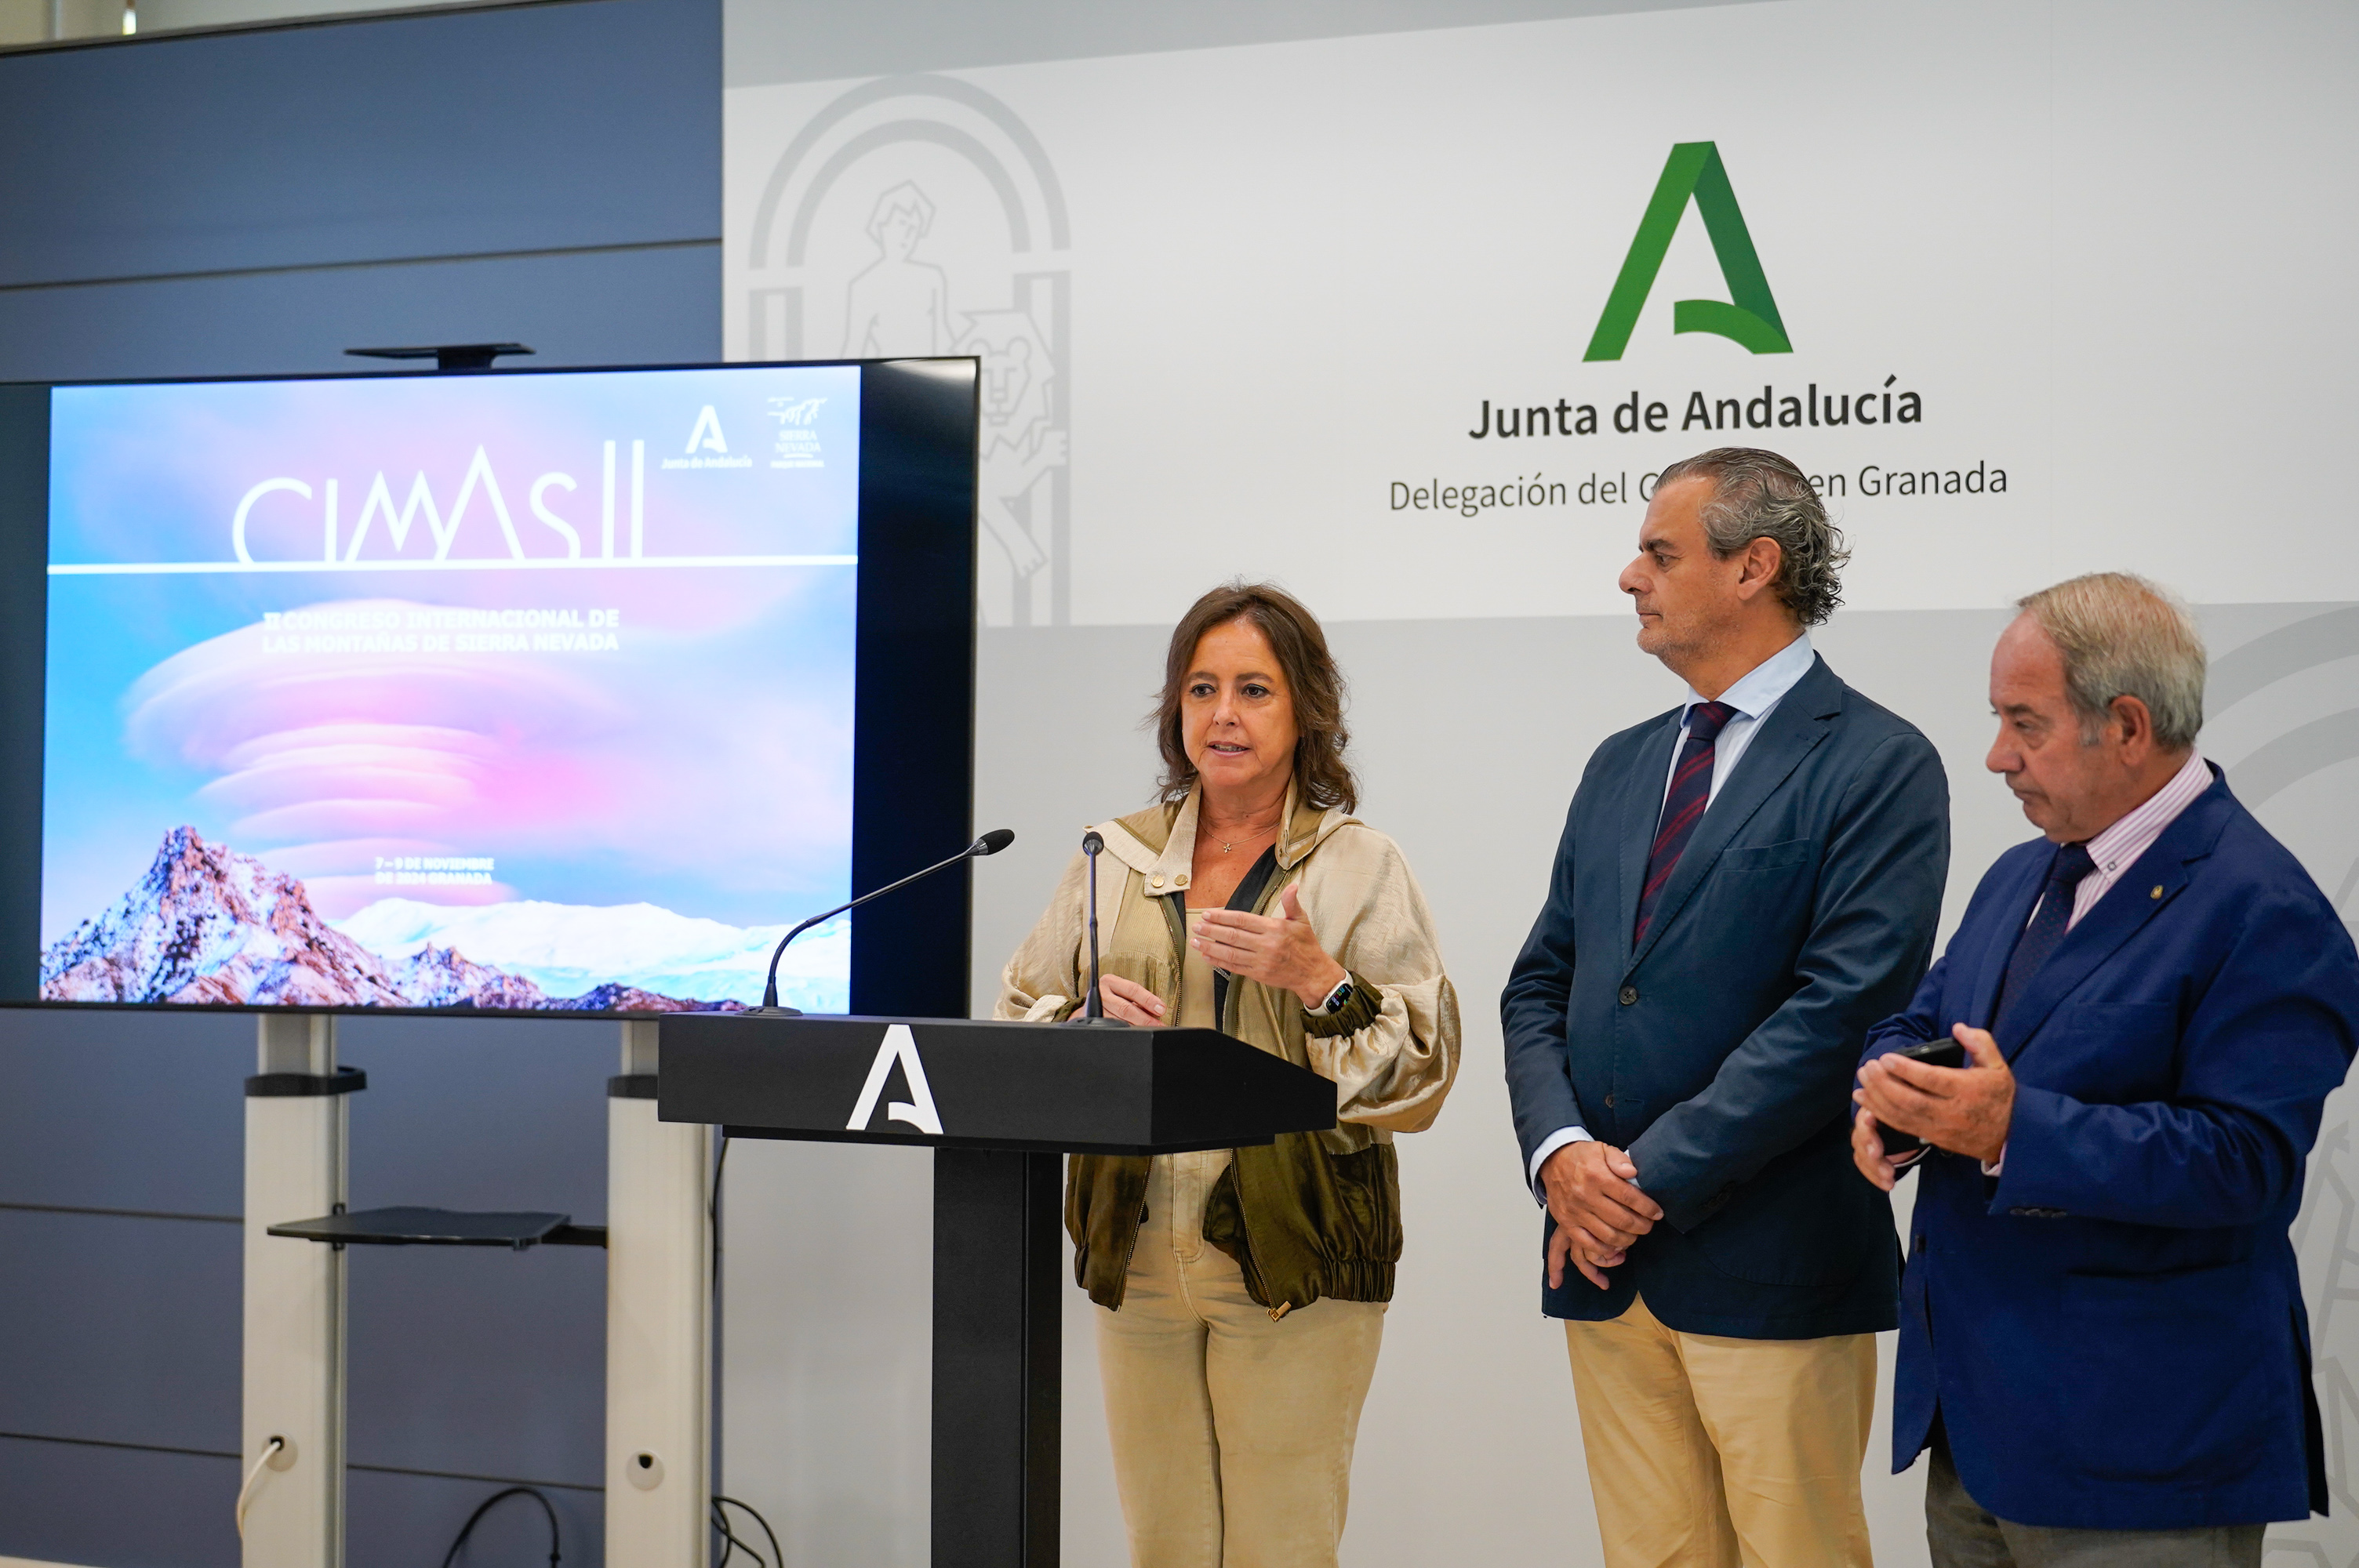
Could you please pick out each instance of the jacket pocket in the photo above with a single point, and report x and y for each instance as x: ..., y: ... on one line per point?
x: 2175, y: 1376
x: 1768, y: 857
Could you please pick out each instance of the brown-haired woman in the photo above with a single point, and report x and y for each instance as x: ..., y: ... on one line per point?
x: 1244, y: 1289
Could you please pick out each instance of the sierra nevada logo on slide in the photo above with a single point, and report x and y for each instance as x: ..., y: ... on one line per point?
x: 1749, y: 317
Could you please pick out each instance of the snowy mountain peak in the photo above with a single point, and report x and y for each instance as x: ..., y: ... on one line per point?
x: 208, y: 925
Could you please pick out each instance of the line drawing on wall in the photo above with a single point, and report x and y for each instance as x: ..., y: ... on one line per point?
x: 920, y: 215
x: 2294, y: 741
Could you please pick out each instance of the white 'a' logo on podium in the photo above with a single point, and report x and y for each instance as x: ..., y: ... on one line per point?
x: 899, y: 1045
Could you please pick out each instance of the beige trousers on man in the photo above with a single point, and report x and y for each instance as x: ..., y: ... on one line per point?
x: 1709, y: 1453
x: 1232, y: 1433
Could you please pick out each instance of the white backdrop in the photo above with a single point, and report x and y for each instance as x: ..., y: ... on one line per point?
x: 1238, y: 304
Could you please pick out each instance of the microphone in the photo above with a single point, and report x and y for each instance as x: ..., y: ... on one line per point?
x: 991, y: 843
x: 1093, y: 1006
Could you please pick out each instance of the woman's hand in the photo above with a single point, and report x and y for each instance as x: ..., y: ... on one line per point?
x: 1125, y: 999
x: 1280, y: 951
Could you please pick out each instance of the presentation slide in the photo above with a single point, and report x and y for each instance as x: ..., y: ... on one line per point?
x: 517, y: 691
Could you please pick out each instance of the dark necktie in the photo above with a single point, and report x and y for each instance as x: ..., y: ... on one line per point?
x: 2047, y: 922
x: 1683, y: 805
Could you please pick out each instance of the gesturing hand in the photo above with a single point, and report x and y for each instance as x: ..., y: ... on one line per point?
x: 1592, y: 1192
x: 1280, y: 951
x: 1963, y: 1110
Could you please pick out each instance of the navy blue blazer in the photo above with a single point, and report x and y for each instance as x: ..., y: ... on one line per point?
x: 2112, y: 1330
x: 1720, y: 1053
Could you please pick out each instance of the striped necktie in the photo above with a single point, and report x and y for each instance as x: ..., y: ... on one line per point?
x: 1683, y: 805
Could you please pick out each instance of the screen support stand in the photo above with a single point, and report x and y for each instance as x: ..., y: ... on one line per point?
x: 998, y: 1350
x: 658, y: 1322
x: 295, y: 1124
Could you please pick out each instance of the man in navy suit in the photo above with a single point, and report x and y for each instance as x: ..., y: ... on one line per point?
x: 1744, y: 885
x: 2102, y: 1335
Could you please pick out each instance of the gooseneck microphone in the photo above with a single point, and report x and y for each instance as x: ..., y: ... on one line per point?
x: 991, y: 843
x: 1094, y: 1005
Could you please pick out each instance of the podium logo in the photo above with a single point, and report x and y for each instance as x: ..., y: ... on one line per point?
x: 1749, y: 315
x: 899, y: 1045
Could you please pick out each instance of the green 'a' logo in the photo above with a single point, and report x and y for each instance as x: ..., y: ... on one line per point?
x: 1694, y: 170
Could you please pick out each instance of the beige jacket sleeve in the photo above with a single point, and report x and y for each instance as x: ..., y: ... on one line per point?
x: 1042, y: 983
x: 1369, y: 913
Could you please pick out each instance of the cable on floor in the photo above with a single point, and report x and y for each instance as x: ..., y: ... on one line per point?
x: 732, y: 1545
x: 486, y: 1506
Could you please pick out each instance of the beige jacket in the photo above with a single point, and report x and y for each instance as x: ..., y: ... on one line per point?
x: 1296, y: 1211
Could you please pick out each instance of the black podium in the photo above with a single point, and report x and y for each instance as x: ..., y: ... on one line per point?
x: 998, y: 1103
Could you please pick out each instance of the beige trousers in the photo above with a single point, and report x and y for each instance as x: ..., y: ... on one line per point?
x: 1232, y: 1433
x: 1709, y: 1453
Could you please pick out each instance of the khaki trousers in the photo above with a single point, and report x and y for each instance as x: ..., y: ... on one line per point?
x: 1709, y: 1453
x: 1232, y: 1433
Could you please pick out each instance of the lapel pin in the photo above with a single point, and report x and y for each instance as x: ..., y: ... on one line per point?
x: 2157, y: 893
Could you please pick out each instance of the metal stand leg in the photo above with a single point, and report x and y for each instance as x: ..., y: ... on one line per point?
x: 296, y: 1122
x: 658, y: 1323
x: 997, y: 1340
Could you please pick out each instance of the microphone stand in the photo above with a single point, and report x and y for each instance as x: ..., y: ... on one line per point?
x: 770, y: 1008
x: 1093, y: 1007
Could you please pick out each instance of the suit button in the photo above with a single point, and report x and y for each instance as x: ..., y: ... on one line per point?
x: 1629, y: 995
x: 1609, y: 1102
x: 1917, y: 1243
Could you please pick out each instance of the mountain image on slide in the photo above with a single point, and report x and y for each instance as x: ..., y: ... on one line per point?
x: 567, y: 949
x: 208, y: 925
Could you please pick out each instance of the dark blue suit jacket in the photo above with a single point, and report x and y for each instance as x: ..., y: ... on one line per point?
x: 1720, y: 1053
x: 2112, y: 1329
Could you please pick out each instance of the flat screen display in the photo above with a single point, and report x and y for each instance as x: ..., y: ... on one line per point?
x: 532, y: 692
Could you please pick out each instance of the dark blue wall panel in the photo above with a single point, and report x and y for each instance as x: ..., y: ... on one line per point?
x: 459, y: 1110
x: 408, y: 1522
x: 119, y: 1330
x: 479, y: 1360
x: 120, y: 1508
x: 123, y: 1111
x: 626, y: 307
x: 536, y: 127
x: 134, y: 1509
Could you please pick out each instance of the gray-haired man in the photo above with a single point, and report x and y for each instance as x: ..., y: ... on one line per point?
x: 2102, y: 1338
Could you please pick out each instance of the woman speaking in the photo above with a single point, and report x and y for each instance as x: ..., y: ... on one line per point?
x: 1244, y: 1289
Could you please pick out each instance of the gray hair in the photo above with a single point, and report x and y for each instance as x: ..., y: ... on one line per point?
x: 2122, y: 636
x: 1760, y: 495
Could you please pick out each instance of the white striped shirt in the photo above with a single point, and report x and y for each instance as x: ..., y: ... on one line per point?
x: 2116, y: 850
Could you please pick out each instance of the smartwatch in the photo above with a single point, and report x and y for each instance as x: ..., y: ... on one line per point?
x: 1338, y: 998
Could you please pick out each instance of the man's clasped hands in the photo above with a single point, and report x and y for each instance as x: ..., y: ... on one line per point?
x: 1593, y: 1188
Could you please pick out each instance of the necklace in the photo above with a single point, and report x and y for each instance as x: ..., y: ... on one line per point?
x: 1229, y: 844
